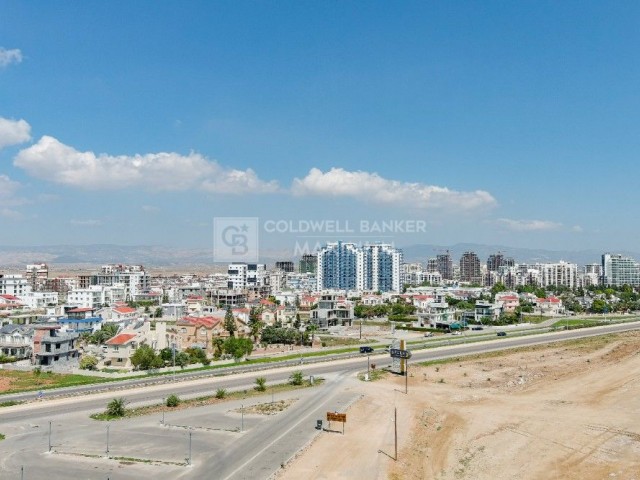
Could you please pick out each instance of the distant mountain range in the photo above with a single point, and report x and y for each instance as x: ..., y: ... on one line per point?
x: 161, y: 256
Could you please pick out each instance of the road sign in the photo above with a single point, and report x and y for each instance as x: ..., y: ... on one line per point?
x: 397, y: 353
x: 336, y: 417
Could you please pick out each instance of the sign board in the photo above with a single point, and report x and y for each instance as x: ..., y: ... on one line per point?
x: 336, y: 417
x: 397, y: 353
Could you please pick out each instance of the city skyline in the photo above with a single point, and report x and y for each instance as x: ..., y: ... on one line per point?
x: 493, y: 124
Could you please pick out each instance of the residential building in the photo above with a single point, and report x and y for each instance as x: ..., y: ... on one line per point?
x: 198, y: 332
x: 346, y: 266
x: 548, y: 306
x: 308, y: 263
x: 13, y: 284
x: 470, y: 271
x: 487, y: 311
x: 618, y: 270
x: 302, y: 282
x: 133, y: 278
x: 287, y: 266
x: 497, y: 260
x: 246, y: 275
x: 332, y: 311
x: 53, y: 346
x: 16, y: 341
x: 96, y: 296
x: 445, y: 265
x: 120, y: 348
x: 37, y: 275
x: 39, y: 299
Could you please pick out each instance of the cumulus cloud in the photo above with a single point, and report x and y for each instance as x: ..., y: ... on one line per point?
x: 7, y: 57
x: 529, y: 225
x: 50, y: 159
x: 367, y: 186
x: 8, y: 187
x: 13, y: 132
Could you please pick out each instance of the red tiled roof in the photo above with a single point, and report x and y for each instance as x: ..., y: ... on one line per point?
x: 9, y: 297
x: 121, y: 339
x: 124, y: 310
x: 207, y: 322
x: 80, y: 310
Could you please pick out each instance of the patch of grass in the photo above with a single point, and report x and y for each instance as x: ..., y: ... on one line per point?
x: 10, y: 403
x: 2, y: 437
x: 202, y: 401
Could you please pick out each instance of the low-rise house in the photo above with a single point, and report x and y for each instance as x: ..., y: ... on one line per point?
x: 198, y: 332
x: 53, y: 346
x: 549, y: 306
x: 487, y: 311
x: 119, y: 349
x: 16, y: 341
x: 436, y: 315
x: 332, y: 311
x: 510, y: 301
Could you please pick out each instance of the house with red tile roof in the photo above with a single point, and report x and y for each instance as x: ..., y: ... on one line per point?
x: 549, y: 306
x: 120, y: 348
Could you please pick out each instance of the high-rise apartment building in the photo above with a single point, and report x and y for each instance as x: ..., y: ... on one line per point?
x: 470, y: 270
x: 347, y: 266
x: 618, y: 270
x: 308, y: 263
x: 445, y: 265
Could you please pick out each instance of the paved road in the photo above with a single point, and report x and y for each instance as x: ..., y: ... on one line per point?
x: 216, y: 452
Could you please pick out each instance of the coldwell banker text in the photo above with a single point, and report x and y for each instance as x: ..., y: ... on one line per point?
x: 344, y: 226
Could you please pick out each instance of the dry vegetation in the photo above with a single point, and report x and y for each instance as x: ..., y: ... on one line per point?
x: 565, y: 411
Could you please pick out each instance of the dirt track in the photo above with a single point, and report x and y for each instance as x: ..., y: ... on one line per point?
x: 549, y: 412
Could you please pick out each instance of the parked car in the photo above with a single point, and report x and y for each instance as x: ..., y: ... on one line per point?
x: 456, y: 333
x: 477, y: 328
x: 428, y: 334
x: 366, y: 349
x: 502, y: 334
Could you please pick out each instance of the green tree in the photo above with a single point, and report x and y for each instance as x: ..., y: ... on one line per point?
x: 145, y: 358
x: 182, y: 359
x: 117, y: 407
x: 173, y: 401
x: 221, y: 393
x: 229, y: 322
x: 238, y: 347
x: 255, y: 323
x: 88, y: 362
x: 497, y: 288
x: 218, y: 347
x: 158, y: 313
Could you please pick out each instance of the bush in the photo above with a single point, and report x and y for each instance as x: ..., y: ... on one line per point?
x: 296, y: 378
x: 116, y: 407
x: 173, y: 401
x: 261, y: 384
x: 221, y: 393
x: 88, y: 362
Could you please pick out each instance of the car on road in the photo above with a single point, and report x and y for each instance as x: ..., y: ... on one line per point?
x: 502, y: 334
x: 366, y: 349
x: 477, y: 328
x: 428, y: 334
x: 456, y: 333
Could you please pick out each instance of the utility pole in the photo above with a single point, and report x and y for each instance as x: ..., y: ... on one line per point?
x: 369, y: 367
x: 395, y: 426
x: 107, y: 440
x: 242, y: 418
x: 49, y: 436
x: 406, y: 377
x: 173, y: 345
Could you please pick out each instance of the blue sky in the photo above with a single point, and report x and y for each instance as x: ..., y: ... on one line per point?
x: 512, y: 123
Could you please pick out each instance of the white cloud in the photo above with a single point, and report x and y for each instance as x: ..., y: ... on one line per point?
x: 8, y: 187
x: 7, y: 57
x: 13, y: 132
x: 367, y: 186
x: 49, y: 159
x: 86, y: 223
x: 529, y: 225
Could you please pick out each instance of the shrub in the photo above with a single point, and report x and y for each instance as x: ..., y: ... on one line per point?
x: 296, y: 378
x: 116, y: 407
x: 221, y: 393
x: 88, y: 362
x: 173, y: 401
x: 261, y: 384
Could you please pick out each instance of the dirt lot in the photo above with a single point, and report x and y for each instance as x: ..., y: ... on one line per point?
x: 567, y: 411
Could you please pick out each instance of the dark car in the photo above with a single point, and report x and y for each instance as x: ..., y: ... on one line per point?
x: 502, y: 334
x: 366, y: 349
x: 477, y: 328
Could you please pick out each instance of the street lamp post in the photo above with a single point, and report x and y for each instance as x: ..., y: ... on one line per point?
x: 173, y: 349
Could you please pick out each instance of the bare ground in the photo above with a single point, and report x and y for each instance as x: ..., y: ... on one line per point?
x: 565, y: 411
